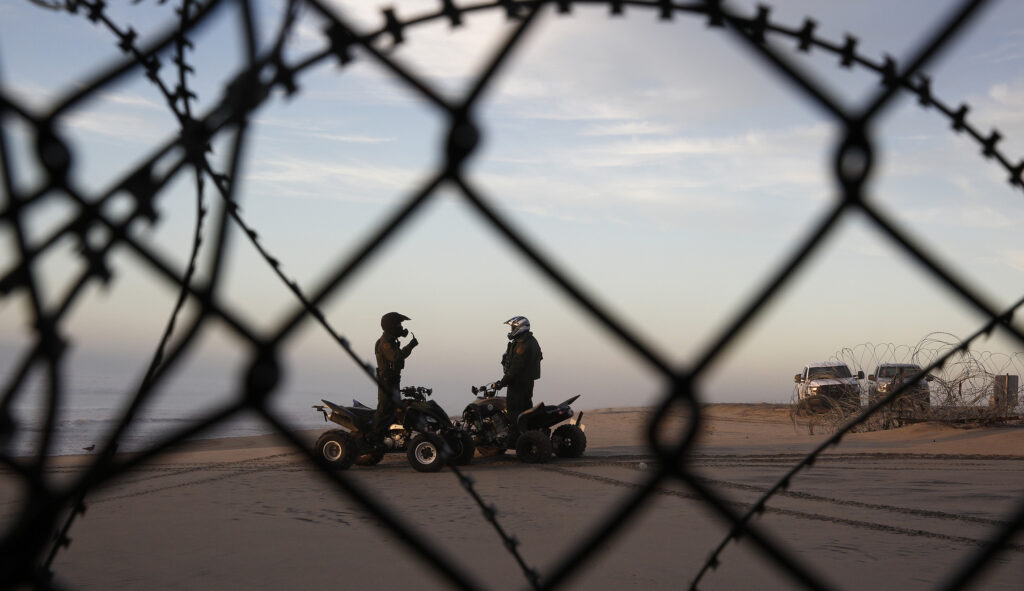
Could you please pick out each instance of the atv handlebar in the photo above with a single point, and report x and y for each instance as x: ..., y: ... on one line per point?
x: 486, y: 391
x: 416, y: 392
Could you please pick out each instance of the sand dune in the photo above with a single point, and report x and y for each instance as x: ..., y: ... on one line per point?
x: 885, y: 510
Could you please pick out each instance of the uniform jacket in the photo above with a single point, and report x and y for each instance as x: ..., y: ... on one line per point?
x: 521, y: 361
x: 390, y: 358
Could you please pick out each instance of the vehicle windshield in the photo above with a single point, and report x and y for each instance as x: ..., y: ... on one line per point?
x: 891, y: 371
x: 832, y: 371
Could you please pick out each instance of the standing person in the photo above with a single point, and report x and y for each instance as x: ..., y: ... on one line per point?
x: 521, y: 365
x: 390, y: 361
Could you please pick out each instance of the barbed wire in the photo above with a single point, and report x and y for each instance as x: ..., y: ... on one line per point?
x: 127, y: 40
x: 28, y: 539
x: 973, y: 386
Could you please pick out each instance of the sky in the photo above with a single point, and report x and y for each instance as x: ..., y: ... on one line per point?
x: 661, y: 165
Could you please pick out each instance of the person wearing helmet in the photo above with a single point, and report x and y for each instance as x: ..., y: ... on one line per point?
x: 390, y: 361
x: 521, y: 365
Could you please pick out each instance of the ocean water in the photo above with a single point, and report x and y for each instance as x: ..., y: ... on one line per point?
x: 79, y: 428
x: 94, y: 398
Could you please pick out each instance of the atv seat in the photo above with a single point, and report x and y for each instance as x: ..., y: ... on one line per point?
x: 525, y: 422
x: 363, y: 412
x: 359, y: 410
x: 543, y: 415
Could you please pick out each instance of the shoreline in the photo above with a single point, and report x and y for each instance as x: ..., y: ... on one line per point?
x: 757, y: 427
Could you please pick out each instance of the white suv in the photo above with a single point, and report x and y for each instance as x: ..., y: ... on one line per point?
x: 829, y: 379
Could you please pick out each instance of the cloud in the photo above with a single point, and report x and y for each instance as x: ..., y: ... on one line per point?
x: 1007, y: 106
x: 627, y: 128
x: 643, y: 122
x: 32, y: 97
x: 354, y: 139
x: 130, y: 100
x: 596, y: 185
x: 1011, y: 258
x: 1001, y: 107
x: 124, y: 126
x: 352, y: 180
x: 1010, y: 48
x: 446, y: 57
x: 964, y: 217
x: 772, y: 156
x: 275, y: 128
x: 112, y: 115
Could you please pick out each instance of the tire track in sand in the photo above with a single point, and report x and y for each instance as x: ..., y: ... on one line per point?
x: 860, y: 524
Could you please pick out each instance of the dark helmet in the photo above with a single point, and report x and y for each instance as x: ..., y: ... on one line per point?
x: 392, y: 324
x: 519, y: 325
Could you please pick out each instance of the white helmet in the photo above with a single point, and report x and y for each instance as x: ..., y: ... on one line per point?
x: 519, y: 325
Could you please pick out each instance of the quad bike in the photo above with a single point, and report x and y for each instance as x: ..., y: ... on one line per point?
x: 422, y: 430
x: 487, y: 421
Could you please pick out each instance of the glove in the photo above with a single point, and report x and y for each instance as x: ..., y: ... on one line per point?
x: 413, y: 342
x: 499, y: 385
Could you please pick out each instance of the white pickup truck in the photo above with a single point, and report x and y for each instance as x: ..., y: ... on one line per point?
x: 889, y: 376
x: 829, y: 379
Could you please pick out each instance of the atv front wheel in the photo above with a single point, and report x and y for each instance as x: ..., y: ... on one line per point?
x: 534, y: 447
x: 336, y: 449
x: 425, y: 453
x: 569, y: 441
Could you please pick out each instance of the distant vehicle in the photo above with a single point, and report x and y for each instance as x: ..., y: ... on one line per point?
x: 888, y: 377
x: 830, y: 383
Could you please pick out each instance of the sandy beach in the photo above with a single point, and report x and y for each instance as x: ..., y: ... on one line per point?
x: 898, y: 509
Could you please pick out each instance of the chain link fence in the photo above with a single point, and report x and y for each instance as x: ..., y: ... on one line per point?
x: 38, y: 533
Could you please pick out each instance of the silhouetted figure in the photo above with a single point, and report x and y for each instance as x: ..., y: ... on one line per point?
x: 390, y: 361
x: 521, y: 365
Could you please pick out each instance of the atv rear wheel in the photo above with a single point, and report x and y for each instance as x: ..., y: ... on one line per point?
x: 568, y: 441
x: 425, y: 453
x: 336, y: 449
x: 462, y: 447
x: 534, y: 447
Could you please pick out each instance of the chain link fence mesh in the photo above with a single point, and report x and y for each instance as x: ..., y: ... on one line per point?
x: 40, y: 530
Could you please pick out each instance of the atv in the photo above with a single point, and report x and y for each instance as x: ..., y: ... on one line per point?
x: 486, y: 420
x: 422, y: 430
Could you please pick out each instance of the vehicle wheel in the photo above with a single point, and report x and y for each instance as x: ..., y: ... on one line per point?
x: 568, y: 441
x: 336, y: 449
x: 462, y: 447
x: 534, y: 447
x: 370, y: 458
x: 487, y: 451
x: 425, y: 453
